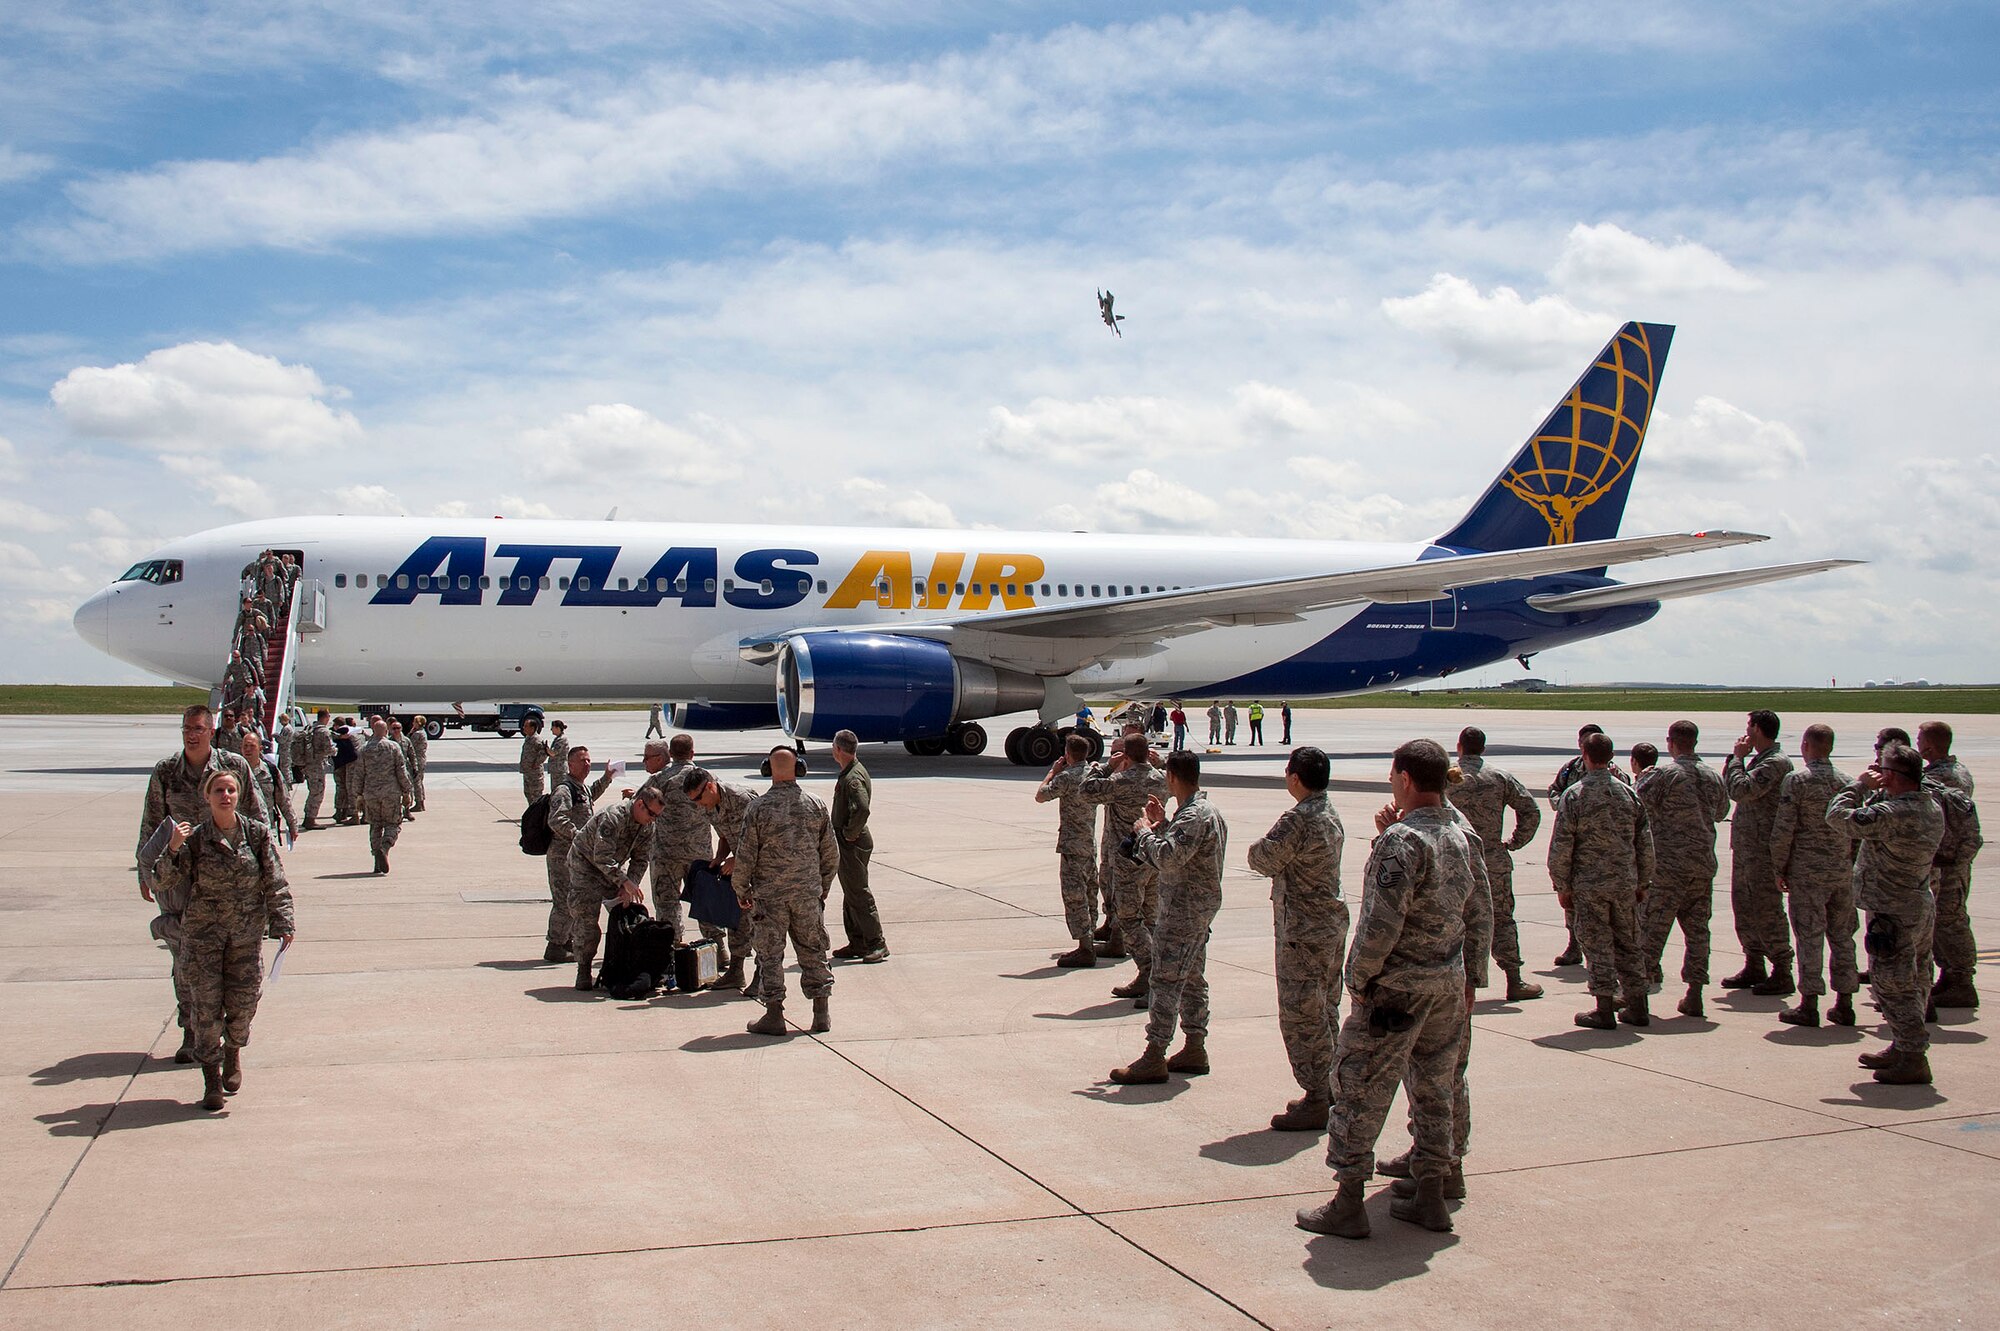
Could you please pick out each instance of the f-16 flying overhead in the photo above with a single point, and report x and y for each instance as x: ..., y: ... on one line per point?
x: 916, y: 634
x: 1111, y: 321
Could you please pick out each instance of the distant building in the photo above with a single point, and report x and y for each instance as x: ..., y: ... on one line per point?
x: 1528, y: 685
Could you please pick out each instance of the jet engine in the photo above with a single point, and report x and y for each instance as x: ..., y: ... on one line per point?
x: 724, y: 716
x: 883, y: 686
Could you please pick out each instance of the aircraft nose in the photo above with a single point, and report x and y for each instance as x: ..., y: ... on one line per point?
x: 93, y: 621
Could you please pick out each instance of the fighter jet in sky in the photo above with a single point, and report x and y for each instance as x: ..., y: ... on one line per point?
x: 1111, y: 320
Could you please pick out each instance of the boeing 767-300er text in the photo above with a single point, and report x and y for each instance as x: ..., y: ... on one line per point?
x: 915, y: 635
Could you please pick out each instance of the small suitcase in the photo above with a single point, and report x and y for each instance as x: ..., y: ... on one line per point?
x: 695, y: 965
x: 710, y: 896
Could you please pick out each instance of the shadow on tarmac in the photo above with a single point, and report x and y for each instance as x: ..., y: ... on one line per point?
x: 1266, y: 1146
x: 89, y: 1120
x: 1117, y: 1007
x: 1111, y: 1093
x: 1394, y: 1251
x: 1873, y: 1094
x: 85, y: 1067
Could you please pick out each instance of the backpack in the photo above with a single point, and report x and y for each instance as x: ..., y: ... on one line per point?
x: 638, y: 954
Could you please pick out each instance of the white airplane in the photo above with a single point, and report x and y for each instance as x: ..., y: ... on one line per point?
x: 916, y: 635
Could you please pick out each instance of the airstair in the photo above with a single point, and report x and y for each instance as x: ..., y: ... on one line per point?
x: 301, y: 609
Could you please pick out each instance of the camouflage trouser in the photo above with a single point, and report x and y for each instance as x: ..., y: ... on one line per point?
x: 1107, y: 867
x: 183, y: 1004
x: 1823, y: 925
x: 557, y: 865
x: 315, y: 791
x: 417, y: 784
x: 1135, y: 894
x: 1901, y: 978
x: 666, y: 875
x: 1689, y: 905
x: 1506, y: 935
x: 585, y: 892
x: 1461, y: 1099
x: 1367, y: 1068
x: 224, y: 974
x: 801, y: 918
x: 532, y: 786
x: 1952, y: 942
x: 1180, y: 964
x: 1311, y: 951
x: 385, y: 822
x: 1079, y: 894
x: 1759, y: 906
x: 343, y: 793
x: 1607, y: 929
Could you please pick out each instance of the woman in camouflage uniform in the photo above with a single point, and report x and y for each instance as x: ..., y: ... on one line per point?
x: 234, y: 884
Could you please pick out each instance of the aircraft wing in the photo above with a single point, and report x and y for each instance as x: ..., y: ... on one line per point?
x: 1637, y: 593
x: 1061, y: 638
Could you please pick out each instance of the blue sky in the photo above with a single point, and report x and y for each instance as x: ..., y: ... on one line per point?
x: 787, y: 262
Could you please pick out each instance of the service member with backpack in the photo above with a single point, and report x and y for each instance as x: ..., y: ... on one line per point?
x: 549, y: 827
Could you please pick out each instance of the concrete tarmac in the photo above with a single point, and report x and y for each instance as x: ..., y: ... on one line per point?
x: 436, y: 1130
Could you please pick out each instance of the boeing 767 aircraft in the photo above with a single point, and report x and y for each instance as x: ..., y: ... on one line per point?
x: 916, y: 635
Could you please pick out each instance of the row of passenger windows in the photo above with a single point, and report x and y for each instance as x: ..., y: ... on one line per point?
x: 679, y: 586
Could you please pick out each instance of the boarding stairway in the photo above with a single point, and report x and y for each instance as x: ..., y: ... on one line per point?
x: 303, y: 610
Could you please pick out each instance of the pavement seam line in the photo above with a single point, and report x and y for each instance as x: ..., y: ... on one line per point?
x: 63, y: 1187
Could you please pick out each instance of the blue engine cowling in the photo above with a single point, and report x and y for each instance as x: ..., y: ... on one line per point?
x: 724, y: 715
x: 883, y: 686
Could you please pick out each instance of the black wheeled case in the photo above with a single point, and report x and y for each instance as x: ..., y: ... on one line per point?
x: 695, y: 965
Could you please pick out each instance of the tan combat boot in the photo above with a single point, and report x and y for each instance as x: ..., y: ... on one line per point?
x: 1518, y: 989
x: 1307, y: 1114
x: 1396, y: 1166
x: 733, y: 977
x: 1343, y: 1215
x: 1691, y: 1006
x: 1603, y: 1017
x: 1149, y: 1069
x: 583, y: 976
x: 1454, y: 1185
x: 822, y: 1016
x: 1425, y: 1208
x: 1140, y: 986
x: 771, y: 1023
x: 232, y: 1070
x: 1082, y: 957
x: 1636, y: 1012
x: 1905, y: 1068
x: 211, y: 1087
x: 1192, y: 1058
x: 1805, y: 1014
x: 1842, y: 1011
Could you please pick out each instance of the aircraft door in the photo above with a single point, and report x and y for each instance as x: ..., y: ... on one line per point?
x: 1444, y: 612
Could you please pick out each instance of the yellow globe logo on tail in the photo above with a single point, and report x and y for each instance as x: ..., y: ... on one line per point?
x: 1587, y: 446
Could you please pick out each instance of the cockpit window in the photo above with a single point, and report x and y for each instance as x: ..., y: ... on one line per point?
x: 158, y: 571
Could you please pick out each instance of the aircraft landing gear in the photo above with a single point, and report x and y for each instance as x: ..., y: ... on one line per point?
x: 925, y: 748
x: 1033, y: 746
x: 966, y: 740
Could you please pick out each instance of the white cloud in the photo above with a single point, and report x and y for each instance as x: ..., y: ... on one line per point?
x: 205, y: 398
x: 20, y: 517
x: 1720, y: 444
x: 17, y: 166
x: 607, y: 443
x: 451, y: 508
x: 1148, y: 501
x: 870, y: 501
x: 1609, y: 263
x: 11, y: 466
x: 1502, y: 329
x: 224, y: 486
x: 513, y: 506
x: 369, y: 500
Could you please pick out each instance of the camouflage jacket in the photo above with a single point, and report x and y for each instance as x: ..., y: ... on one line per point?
x: 1951, y: 772
x: 420, y: 745
x: 681, y: 832
x: 174, y: 791
x: 1601, y: 842
x: 557, y: 761
x: 1753, y: 784
x: 1898, y: 835
x: 1572, y: 772
x: 274, y: 788
x: 570, y: 806
x: 320, y: 747
x: 1684, y: 800
x: 732, y: 805
x: 534, y: 752
x: 1423, y: 926
x: 1076, y: 828
x: 1803, y: 844
x: 787, y: 848
x: 609, y: 844
x: 1125, y: 794
x: 1301, y: 857
x: 1187, y: 849
x: 1962, y: 839
x: 1484, y: 797
x: 233, y: 888
x: 380, y: 774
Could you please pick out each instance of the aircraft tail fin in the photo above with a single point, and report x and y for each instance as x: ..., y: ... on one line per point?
x: 1569, y: 481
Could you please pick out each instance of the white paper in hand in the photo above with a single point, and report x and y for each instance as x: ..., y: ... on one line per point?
x: 278, y: 962
x: 616, y: 767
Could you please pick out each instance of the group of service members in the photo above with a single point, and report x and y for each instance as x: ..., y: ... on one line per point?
x: 781, y: 849
x: 209, y: 858
x: 1630, y: 856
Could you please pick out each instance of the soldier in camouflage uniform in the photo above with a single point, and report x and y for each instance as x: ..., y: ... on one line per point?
x: 681, y: 834
x: 1076, y: 847
x: 1129, y: 781
x: 174, y: 792
x: 1898, y: 835
x: 1601, y: 862
x: 402, y: 741
x: 1301, y: 857
x: 785, y: 865
x: 1419, y: 951
x: 1684, y: 801
x: 420, y: 756
x: 570, y: 806
x: 1953, y: 945
x: 1755, y: 770
x: 1187, y: 851
x: 557, y: 762
x: 1568, y: 775
x: 381, y: 784
x: 1815, y: 867
x: 1483, y: 795
x: 724, y: 804
x: 318, y: 752
x: 534, y: 759
x: 274, y: 792
x: 605, y: 861
x: 228, y: 866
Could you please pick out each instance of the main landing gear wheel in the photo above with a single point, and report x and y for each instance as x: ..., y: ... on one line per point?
x: 1012, y: 746
x: 1088, y: 732
x: 966, y: 740
x: 1039, y: 746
